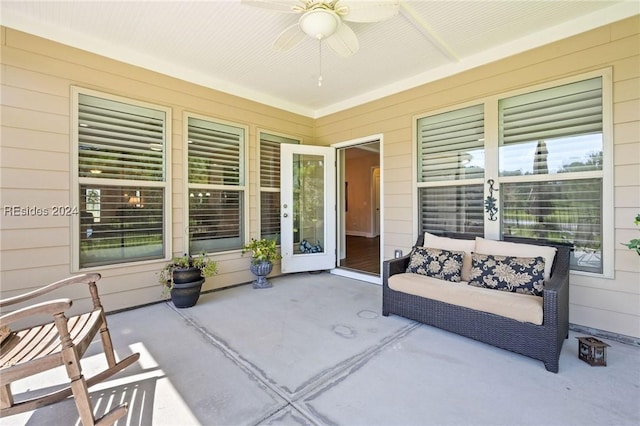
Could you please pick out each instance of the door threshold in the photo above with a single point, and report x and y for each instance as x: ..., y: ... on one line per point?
x: 361, y: 276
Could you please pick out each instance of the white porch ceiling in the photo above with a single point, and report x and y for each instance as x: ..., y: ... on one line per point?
x: 226, y: 45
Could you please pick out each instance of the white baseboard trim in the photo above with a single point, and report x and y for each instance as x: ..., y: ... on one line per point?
x: 629, y: 340
x: 347, y: 273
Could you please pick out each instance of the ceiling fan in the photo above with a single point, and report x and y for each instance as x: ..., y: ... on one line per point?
x: 327, y: 20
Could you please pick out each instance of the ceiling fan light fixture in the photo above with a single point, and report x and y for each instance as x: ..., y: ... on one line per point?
x: 319, y: 23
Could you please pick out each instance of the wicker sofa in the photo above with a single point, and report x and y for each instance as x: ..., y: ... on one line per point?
x: 539, y: 341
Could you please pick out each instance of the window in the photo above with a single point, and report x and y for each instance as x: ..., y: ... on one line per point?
x: 547, y: 160
x: 451, y: 171
x: 270, y: 184
x: 551, y: 145
x: 121, y: 179
x: 216, y: 190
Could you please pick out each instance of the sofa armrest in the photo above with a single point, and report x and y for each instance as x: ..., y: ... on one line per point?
x: 556, y: 294
x: 394, y: 266
x: 556, y: 283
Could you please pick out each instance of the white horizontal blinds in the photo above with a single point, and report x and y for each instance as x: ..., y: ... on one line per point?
x: 269, y: 161
x: 270, y: 184
x: 456, y: 209
x: 216, y: 185
x: 121, y: 144
x: 120, y: 224
x: 215, y: 153
x: 564, y: 211
x: 119, y: 140
x: 549, y: 126
x: 215, y: 220
x: 270, y: 215
x: 451, y: 148
x: 448, y: 143
x: 569, y: 110
x: 557, y: 132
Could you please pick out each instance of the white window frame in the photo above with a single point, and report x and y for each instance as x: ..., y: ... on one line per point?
x: 244, y: 162
x: 76, y: 180
x: 492, y: 228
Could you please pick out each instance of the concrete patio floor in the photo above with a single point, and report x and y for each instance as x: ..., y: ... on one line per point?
x: 315, y: 350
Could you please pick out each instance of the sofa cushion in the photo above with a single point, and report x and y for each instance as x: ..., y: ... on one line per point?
x: 508, y: 273
x: 454, y: 244
x: 504, y: 248
x: 517, y: 306
x: 437, y: 263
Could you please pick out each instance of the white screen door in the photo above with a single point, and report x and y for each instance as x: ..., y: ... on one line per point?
x: 308, y: 214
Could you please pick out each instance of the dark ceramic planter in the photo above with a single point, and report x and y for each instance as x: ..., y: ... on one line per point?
x: 186, y: 275
x: 187, y: 284
x: 261, y: 270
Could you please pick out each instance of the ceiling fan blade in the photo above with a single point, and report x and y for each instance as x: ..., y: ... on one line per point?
x: 288, y: 6
x: 289, y: 38
x: 344, y: 41
x: 367, y: 11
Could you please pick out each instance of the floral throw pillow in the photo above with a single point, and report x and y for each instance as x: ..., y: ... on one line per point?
x: 443, y: 264
x: 508, y: 273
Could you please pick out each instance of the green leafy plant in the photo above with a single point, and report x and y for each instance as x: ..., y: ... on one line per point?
x: 262, y: 250
x: 208, y: 267
x: 635, y: 243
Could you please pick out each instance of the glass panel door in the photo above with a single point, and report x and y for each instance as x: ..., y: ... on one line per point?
x: 308, y: 208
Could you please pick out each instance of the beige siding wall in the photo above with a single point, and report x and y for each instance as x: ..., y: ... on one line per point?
x: 37, y: 76
x: 35, y: 156
x: 608, y: 304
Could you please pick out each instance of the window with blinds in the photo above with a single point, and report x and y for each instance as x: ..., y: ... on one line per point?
x: 551, y: 145
x: 451, y: 145
x: 545, y: 151
x: 120, y: 141
x: 270, y: 184
x: 216, y: 185
x: 121, y: 180
x: 450, y: 171
x: 557, y: 130
x: 452, y: 209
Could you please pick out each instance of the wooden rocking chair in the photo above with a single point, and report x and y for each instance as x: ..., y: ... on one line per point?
x: 62, y: 342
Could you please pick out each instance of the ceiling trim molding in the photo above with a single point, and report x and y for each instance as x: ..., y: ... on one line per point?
x: 132, y: 57
x: 585, y: 23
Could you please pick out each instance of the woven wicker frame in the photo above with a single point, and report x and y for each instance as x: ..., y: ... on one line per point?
x: 541, y: 342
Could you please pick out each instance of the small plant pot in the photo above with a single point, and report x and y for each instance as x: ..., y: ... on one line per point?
x: 185, y: 295
x: 186, y: 275
x: 261, y: 270
x: 187, y: 283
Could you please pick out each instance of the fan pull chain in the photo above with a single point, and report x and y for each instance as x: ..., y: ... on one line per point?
x: 320, y: 63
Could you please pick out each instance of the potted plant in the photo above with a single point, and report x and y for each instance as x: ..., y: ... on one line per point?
x: 263, y: 253
x: 634, y: 244
x: 183, y: 276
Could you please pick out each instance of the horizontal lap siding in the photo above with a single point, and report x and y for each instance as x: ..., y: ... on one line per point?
x: 37, y: 75
x: 608, y: 304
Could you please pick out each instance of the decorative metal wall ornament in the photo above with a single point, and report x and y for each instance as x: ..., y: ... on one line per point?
x: 490, y: 202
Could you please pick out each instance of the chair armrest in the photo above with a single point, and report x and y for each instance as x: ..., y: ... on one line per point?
x: 51, y: 307
x: 77, y: 279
